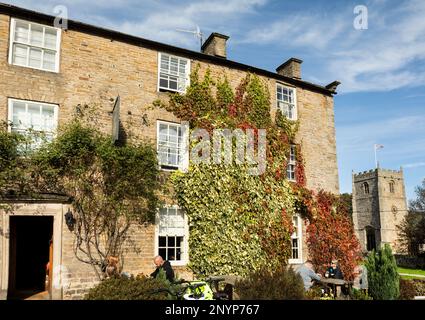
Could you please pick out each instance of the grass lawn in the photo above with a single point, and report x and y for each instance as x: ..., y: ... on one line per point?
x: 411, y: 271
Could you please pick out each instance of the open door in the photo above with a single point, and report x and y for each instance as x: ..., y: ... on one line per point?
x: 30, y: 257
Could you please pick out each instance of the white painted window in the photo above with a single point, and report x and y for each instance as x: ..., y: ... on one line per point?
x: 296, y: 240
x: 34, y: 45
x: 172, y: 235
x: 292, y: 162
x: 173, y: 73
x: 39, y: 120
x: 287, y: 101
x: 172, y: 145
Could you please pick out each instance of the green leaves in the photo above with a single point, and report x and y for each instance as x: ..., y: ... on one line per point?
x: 112, y: 187
x: 230, y: 231
x: 383, y: 276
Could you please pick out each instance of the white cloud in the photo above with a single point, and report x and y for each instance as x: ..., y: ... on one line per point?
x: 384, y: 57
x: 414, y: 165
x: 311, y: 31
x: 362, y: 136
x: 156, y: 20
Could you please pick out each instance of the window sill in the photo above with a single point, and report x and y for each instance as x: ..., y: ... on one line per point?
x: 295, y: 261
x: 178, y: 263
x: 33, y: 68
x: 167, y: 90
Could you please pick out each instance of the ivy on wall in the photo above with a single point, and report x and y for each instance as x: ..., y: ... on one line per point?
x: 239, y: 222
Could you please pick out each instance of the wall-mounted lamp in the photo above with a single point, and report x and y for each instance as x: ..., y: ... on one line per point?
x: 70, y: 220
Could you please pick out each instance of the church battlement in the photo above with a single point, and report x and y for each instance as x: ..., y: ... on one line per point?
x: 373, y: 172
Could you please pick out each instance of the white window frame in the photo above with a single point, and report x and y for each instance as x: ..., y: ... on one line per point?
x: 185, y: 248
x: 187, y: 73
x: 184, y: 164
x: 12, y: 41
x: 292, y: 161
x: 299, y: 237
x: 278, y: 102
x: 10, y: 112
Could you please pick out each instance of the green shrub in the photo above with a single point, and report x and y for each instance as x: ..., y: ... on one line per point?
x: 407, y: 290
x: 383, y: 277
x: 356, y: 294
x: 282, y: 284
x: 134, y: 288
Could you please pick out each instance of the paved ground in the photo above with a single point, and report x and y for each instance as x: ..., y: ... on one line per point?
x: 40, y: 296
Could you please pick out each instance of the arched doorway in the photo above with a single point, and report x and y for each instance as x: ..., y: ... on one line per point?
x: 370, y: 238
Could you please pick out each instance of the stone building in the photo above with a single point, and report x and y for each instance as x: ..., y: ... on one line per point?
x: 379, y: 205
x: 45, y: 72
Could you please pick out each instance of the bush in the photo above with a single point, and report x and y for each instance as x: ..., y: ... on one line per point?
x: 407, y: 290
x: 282, y: 284
x: 383, y: 278
x: 123, y: 288
x: 356, y: 294
x: 419, y: 287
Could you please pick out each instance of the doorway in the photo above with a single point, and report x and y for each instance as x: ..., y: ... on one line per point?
x: 30, y: 256
x: 370, y: 239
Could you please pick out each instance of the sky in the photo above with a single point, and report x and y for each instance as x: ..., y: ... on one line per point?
x: 381, y: 66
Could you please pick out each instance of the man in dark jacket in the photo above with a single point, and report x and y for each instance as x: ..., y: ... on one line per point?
x: 164, y: 265
x: 334, y: 271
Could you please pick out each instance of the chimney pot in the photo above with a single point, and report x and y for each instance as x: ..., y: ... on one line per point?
x: 215, y: 45
x: 291, y: 68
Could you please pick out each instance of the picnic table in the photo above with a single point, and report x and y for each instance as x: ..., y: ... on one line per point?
x: 336, y: 284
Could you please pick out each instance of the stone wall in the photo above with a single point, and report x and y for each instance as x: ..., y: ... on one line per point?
x: 95, y: 69
x: 381, y: 209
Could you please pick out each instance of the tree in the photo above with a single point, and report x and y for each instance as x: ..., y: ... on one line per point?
x: 383, y: 278
x: 12, y: 163
x: 411, y: 232
x: 111, y: 187
x: 419, y: 203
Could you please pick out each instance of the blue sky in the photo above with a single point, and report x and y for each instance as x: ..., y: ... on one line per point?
x: 382, y: 69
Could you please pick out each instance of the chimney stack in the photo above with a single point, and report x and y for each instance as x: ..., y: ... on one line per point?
x: 215, y: 45
x: 290, y: 68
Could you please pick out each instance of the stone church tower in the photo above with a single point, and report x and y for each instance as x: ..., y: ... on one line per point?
x: 379, y: 205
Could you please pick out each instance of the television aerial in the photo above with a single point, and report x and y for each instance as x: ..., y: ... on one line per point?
x: 197, y: 33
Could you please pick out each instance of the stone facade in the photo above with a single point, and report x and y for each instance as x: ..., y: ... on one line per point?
x: 96, y: 66
x: 379, y: 205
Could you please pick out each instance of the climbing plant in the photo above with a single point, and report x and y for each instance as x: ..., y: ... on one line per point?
x: 111, y: 187
x: 330, y: 235
x: 238, y: 221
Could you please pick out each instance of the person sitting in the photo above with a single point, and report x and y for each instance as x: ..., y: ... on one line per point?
x: 334, y: 271
x: 307, y: 274
x: 165, y: 265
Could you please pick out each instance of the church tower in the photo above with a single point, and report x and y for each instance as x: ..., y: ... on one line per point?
x: 379, y: 206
